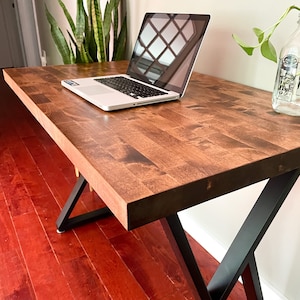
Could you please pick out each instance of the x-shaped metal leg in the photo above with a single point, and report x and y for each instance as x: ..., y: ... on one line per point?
x: 64, y: 222
x: 239, y: 259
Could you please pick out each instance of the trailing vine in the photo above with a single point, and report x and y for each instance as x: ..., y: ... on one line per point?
x: 263, y: 36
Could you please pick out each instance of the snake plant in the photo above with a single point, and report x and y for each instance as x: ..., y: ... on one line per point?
x: 90, y: 36
x: 263, y: 36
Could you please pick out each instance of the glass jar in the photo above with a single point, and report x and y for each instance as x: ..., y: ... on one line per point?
x: 286, y: 93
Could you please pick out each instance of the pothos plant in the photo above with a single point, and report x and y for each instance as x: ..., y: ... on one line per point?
x: 90, y: 36
x: 263, y: 36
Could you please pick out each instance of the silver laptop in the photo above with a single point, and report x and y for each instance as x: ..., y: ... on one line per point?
x: 160, y: 67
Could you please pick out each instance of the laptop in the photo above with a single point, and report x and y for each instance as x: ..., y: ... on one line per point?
x: 160, y: 67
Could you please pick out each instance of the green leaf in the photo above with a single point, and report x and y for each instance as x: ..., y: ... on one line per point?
x: 75, y: 58
x: 116, y: 18
x: 68, y: 16
x: 80, y: 24
x: 59, y: 38
x: 107, y: 20
x: 248, y: 49
x: 259, y: 33
x: 84, y: 55
x: 268, y: 50
x: 72, y: 55
x: 107, y: 24
x: 90, y: 37
x: 97, y: 25
x: 120, y: 42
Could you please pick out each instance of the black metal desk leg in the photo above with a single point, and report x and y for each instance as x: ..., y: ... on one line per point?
x: 188, y: 256
x: 251, y: 280
x: 63, y: 218
x: 64, y: 222
x: 240, y: 254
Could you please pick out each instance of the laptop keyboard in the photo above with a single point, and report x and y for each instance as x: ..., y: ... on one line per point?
x: 130, y: 87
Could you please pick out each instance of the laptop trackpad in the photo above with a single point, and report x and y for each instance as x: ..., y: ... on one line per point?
x: 94, y: 90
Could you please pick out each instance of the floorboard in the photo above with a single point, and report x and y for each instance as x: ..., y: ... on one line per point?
x: 100, y: 260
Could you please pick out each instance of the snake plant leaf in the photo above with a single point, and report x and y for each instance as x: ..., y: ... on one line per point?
x: 68, y: 16
x: 80, y: 24
x: 116, y: 17
x: 59, y: 38
x: 107, y: 23
x: 107, y: 20
x: 120, y: 35
x: 248, y: 49
x: 268, y: 50
x: 80, y: 57
x: 84, y: 55
x: 259, y: 33
x: 89, y: 39
x: 120, y: 42
x: 97, y: 25
x: 92, y: 46
x: 72, y: 55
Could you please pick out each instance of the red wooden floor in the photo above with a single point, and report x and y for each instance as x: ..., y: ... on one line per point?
x: 97, y: 261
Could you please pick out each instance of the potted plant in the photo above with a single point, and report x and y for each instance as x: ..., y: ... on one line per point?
x: 286, y: 92
x: 94, y: 37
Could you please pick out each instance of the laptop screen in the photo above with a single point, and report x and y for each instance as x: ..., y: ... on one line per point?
x: 166, y: 49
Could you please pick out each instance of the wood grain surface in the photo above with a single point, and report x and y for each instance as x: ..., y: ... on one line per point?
x: 148, y: 162
x: 101, y: 260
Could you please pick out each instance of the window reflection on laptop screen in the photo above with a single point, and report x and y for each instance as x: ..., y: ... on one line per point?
x: 166, y: 48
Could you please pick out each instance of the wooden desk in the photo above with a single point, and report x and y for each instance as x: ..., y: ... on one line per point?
x: 150, y: 162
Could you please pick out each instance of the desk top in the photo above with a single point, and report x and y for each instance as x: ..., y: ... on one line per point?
x: 148, y: 162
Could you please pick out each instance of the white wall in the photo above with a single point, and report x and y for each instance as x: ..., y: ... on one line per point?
x: 26, y: 18
x: 215, y: 223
